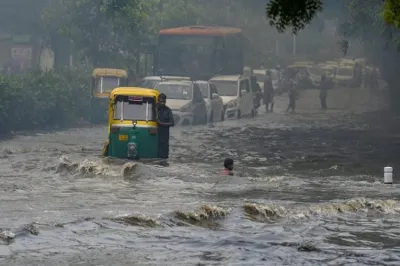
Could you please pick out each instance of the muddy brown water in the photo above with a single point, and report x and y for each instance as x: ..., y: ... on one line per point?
x: 308, y: 191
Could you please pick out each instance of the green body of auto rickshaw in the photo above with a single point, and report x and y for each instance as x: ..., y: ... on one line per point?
x: 104, y: 80
x: 132, y: 124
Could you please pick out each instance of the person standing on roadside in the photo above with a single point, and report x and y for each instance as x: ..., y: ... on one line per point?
x: 292, y: 93
x: 323, y: 93
x: 268, y: 92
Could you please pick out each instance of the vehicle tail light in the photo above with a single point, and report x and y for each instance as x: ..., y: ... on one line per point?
x: 114, y: 129
x: 153, y: 131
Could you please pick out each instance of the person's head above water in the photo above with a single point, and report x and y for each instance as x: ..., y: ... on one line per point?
x: 228, y: 164
x: 162, y: 99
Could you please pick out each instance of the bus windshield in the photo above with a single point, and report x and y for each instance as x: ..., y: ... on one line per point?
x: 181, y: 54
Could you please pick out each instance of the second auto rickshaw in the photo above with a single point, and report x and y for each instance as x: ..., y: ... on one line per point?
x: 104, y: 80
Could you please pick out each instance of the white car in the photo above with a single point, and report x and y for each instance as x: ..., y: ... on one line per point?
x: 152, y: 81
x: 214, y: 103
x: 236, y: 94
x: 185, y: 100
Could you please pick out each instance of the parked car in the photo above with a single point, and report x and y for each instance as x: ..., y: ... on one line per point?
x: 152, y: 81
x: 214, y: 103
x: 186, y: 101
x: 236, y: 94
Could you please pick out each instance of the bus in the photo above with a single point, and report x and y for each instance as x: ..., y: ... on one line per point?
x: 199, y: 52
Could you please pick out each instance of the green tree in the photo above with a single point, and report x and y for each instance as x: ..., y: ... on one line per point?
x: 374, y: 22
x: 107, y: 32
x: 283, y: 14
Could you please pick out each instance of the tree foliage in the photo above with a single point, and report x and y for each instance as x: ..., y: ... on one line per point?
x: 284, y: 14
x: 391, y: 12
x: 42, y: 99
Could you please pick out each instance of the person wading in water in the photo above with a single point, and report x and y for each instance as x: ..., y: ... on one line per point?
x: 228, y: 167
x: 165, y: 120
x: 293, y: 94
x: 323, y: 94
x: 268, y: 92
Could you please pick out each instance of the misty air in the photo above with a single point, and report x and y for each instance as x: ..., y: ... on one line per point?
x: 229, y: 132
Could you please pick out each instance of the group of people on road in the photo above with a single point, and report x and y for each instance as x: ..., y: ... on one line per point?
x: 268, y: 94
x: 165, y: 117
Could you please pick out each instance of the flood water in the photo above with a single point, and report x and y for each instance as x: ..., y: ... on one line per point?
x: 308, y: 191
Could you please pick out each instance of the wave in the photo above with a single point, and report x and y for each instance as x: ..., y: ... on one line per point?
x: 272, y: 212
x: 210, y: 216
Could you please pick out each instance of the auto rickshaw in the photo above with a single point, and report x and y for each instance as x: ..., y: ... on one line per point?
x: 104, y: 80
x: 132, y: 124
x: 305, y: 81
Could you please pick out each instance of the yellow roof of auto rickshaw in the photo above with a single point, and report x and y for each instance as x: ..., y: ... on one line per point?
x: 110, y: 72
x: 134, y: 91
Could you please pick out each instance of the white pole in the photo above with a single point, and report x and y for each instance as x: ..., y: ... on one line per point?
x: 294, y: 44
x: 388, y: 175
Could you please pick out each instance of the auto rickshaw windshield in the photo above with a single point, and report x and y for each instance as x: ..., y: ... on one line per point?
x: 107, y: 84
x: 134, y: 108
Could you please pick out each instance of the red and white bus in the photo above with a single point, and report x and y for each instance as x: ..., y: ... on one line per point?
x: 199, y: 51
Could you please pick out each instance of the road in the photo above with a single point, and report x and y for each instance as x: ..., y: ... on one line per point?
x: 308, y: 191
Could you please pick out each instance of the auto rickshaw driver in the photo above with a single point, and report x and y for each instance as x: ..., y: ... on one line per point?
x: 165, y: 120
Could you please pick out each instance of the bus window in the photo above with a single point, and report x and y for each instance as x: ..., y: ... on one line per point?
x: 205, y: 55
x: 179, y: 54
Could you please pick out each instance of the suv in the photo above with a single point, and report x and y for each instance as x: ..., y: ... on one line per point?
x: 186, y: 101
x: 236, y: 94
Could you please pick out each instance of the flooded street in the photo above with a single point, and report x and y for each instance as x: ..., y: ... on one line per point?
x: 308, y: 192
